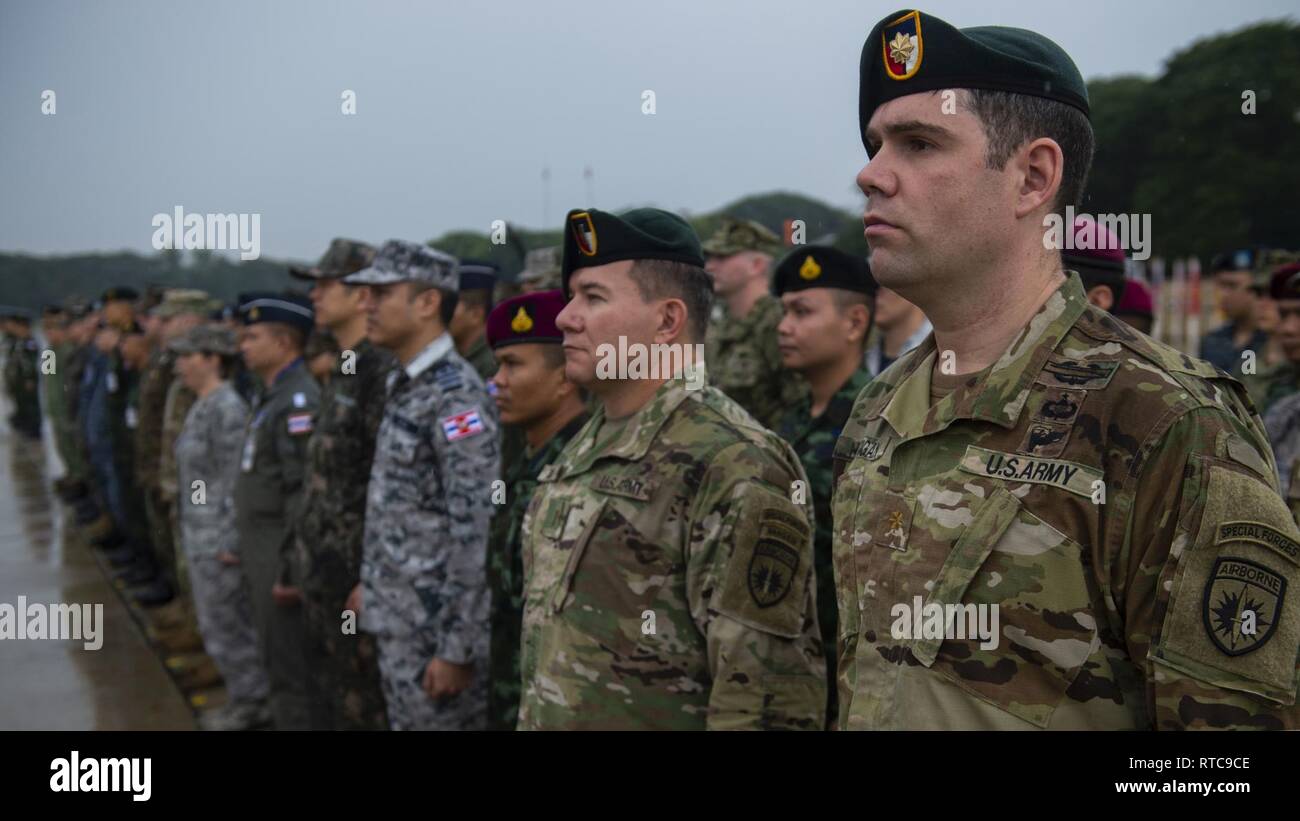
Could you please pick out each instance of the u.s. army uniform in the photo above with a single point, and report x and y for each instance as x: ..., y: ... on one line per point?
x: 267, y: 495
x: 1116, y: 502
x: 423, y: 573
x: 668, y: 577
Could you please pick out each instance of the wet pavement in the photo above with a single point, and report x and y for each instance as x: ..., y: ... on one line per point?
x: 59, y: 684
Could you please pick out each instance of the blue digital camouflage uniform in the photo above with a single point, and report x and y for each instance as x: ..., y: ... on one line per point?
x: 423, y: 573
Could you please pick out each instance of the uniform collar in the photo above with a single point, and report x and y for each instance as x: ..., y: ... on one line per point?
x: 285, y: 372
x: 998, y: 395
x: 432, y: 352
x: 644, y: 426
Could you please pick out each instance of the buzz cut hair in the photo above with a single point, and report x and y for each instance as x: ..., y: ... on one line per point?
x: 668, y: 279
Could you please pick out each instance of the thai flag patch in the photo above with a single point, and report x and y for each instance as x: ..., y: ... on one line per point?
x: 463, y: 424
x: 299, y: 423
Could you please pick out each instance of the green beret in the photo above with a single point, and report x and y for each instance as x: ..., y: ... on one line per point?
x: 911, y: 51
x: 823, y: 267
x: 596, y: 238
x: 736, y: 235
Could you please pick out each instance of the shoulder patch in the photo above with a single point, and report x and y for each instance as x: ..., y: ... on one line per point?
x: 448, y: 376
x: 462, y: 425
x: 770, y: 566
x: 299, y: 423
x: 300, y: 400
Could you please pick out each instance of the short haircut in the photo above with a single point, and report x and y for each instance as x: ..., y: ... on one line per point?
x: 665, y: 279
x: 553, y: 356
x: 296, y: 337
x: 845, y: 299
x: 1011, y: 120
x: 447, y: 307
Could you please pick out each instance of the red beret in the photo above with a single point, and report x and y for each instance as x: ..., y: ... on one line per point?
x: 1094, y: 245
x: 1136, y: 300
x: 527, y: 318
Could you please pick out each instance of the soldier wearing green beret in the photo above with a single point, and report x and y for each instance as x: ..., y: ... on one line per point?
x: 668, y: 580
x: 741, y: 347
x: 828, y: 302
x: 1043, y: 519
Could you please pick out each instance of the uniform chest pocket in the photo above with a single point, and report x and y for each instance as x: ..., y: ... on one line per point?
x: 613, y: 575
x: 1009, y: 615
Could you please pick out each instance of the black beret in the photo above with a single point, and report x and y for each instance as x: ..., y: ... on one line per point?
x: 593, y: 237
x: 911, y: 51
x: 823, y: 267
x: 291, y: 309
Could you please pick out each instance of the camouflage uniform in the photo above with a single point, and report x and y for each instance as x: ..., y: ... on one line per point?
x: 480, y: 357
x: 327, y: 535
x: 154, y: 382
x: 207, y: 450
x: 175, y: 408
x: 56, y: 386
x: 668, y: 580
x: 424, y: 590
x: 814, y: 442
x: 267, y: 494
x: 21, y: 372
x: 506, y: 575
x: 1121, y: 615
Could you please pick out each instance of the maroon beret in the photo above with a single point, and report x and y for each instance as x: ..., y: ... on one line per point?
x: 1094, y: 246
x: 1285, y: 282
x: 526, y: 318
x: 1136, y: 300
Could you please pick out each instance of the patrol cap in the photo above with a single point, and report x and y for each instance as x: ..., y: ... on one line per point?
x: 1096, y: 256
x: 593, y: 238
x: 206, y: 339
x: 344, y: 256
x: 177, y: 301
x: 1136, y: 300
x: 542, y: 266
x: 398, y: 260
x: 291, y: 309
x: 823, y: 267
x: 1285, y: 282
x: 475, y: 275
x: 910, y: 52
x: 526, y: 318
x: 736, y: 235
x: 120, y: 293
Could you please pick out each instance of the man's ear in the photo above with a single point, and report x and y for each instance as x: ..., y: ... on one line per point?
x: 860, y: 321
x: 1102, y: 297
x: 1040, y: 165
x: 673, y: 320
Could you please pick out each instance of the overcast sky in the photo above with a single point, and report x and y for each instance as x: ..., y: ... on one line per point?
x: 235, y: 106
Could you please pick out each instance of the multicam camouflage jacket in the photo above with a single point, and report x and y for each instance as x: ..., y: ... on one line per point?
x: 429, y: 504
x: 331, y: 520
x: 154, y: 382
x: 1105, y: 504
x: 668, y: 577
x: 745, y: 363
x: 506, y: 574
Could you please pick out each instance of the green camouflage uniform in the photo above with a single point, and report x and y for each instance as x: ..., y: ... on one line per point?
x: 21, y: 371
x: 1125, y: 614
x: 158, y: 376
x: 814, y: 442
x: 480, y: 357
x: 175, y: 408
x: 668, y: 577
x: 506, y: 575
x: 742, y: 354
x: 327, y: 534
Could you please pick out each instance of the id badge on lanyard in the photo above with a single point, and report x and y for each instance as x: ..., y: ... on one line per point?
x: 250, y: 443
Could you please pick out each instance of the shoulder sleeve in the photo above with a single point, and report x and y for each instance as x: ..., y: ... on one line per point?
x: 751, y: 591
x: 1212, y: 557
